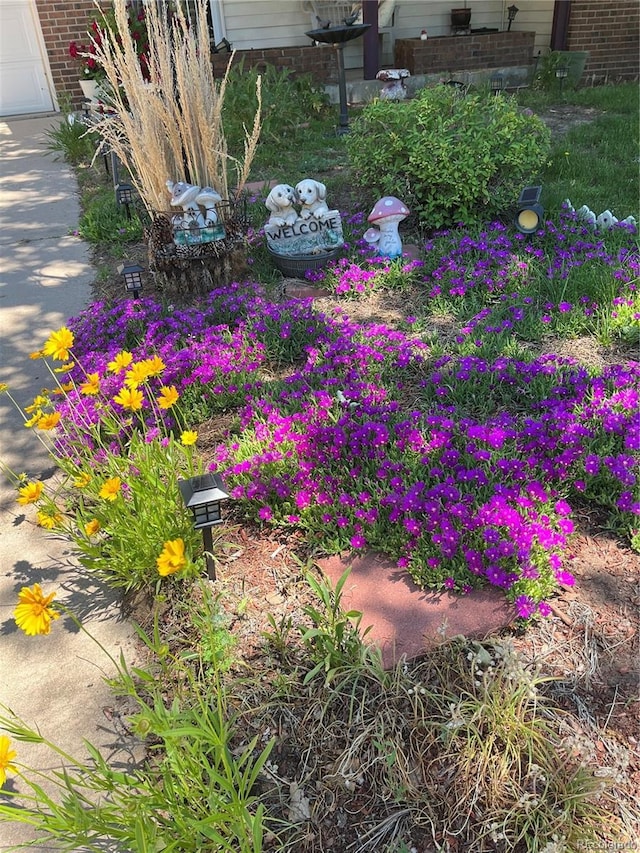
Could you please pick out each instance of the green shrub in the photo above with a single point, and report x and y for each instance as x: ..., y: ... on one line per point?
x: 451, y: 158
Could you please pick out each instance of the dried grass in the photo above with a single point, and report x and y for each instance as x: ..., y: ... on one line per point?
x: 170, y: 128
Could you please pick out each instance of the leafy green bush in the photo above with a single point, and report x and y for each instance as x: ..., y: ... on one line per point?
x: 451, y: 158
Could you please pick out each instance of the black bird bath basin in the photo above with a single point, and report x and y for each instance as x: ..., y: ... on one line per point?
x: 338, y: 37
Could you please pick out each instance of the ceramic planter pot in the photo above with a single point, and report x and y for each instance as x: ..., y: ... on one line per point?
x: 460, y: 17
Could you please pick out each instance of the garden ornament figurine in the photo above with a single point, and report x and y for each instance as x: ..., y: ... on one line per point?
x: 312, y: 194
x: 280, y: 203
x: 208, y: 198
x: 184, y: 195
x: 386, y: 214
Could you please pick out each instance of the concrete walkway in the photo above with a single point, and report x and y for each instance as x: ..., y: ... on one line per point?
x: 55, y: 682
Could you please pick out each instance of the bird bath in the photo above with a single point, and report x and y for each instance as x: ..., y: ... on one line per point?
x: 338, y: 36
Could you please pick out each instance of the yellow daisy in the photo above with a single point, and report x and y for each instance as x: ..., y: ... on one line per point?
x: 129, y: 398
x: 38, y: 402
x: 34, y: 614
x: 33, y: 420
x: 65, y: 367
x: 49, y: 421
x: 92, y: 527
x: 30, y: 493
x: 37, y: 354
x: 121, y: 361
x: 59, y: 344
x: 168, y: 396
x: 83, y: 479
x: 172, y: 558
x: 6, y: 757
x: 92, y: 385
x: 188, y: 437
x: 110, y: 489
x: 64, y: 389
x: 3, y: 387
x: 49, y: 520
x: 155, y: 365
x: 137, y: 374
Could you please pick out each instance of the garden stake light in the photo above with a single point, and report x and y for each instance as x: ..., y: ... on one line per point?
x: 132, y: 274
x: 497, y: 83
x: 562, y: 72
x: 512, y: 11
x: 529, y: 212
x: 203, y: 495
x: 124, y: 196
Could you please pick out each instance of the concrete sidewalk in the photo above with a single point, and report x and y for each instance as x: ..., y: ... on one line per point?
x: 55, y: 683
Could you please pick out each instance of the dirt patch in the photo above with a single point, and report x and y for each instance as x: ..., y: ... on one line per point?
x: 564, y: 117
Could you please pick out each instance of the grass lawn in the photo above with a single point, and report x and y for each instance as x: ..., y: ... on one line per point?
x: 464, y: 410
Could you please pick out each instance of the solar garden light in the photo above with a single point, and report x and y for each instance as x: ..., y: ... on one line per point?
x: 512, y: 11
x: 529, y: 212
x: 132, y: 274
x: 497, y: 83
x: 124, y: 196
x: 203, y: 495
x: 562, y: 72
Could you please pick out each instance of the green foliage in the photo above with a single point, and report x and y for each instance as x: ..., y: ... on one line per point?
x: 197, y: 794
x: 451, y: 158
x: 72, y: 139
x: 288, y: 101
x: 104, y: 221
x: 334, y: 641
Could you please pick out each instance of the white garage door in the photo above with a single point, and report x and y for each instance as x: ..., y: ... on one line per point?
x: 24, y: 87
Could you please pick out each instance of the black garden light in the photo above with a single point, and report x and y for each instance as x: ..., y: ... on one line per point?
x: 203, y: 495
x: 512, y: 11
x: 562, y: 72
x: 529, y: 212
x: 497, y: 83
x: 132, y: 274
x: 124, y: 196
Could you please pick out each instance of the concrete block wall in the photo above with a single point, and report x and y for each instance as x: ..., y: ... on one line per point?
x: 610, y: 31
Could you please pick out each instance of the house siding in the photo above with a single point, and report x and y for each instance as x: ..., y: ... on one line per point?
x: 610, y: 31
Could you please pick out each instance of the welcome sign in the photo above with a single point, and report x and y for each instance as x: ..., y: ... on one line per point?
x: 306, y: 236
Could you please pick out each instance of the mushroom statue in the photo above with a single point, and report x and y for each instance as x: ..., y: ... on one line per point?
x: 386, y: 214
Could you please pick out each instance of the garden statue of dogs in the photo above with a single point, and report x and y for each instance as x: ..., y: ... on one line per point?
x: 312, y: 195
x: 280, y: 202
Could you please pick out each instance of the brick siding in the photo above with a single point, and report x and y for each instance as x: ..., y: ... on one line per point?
x: 610, y: 31
x: 465, y: 52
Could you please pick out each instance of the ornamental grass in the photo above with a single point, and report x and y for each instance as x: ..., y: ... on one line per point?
x: 166, y: 124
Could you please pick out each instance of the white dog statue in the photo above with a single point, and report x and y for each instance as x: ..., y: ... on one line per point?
x: 312, y: 195
x: 280, y: 203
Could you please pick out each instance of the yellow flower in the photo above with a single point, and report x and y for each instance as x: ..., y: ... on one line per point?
x: 6, y: 757
x: 3, y: 387
x: 38, y: 403
x: 168, y: 396
x: 172, y: 558
x: 129, y: 398
x: 59, y: 344
x: 120, y: 362
x: 92, y: 385
x: 154, y: 365
x: 34, y: 419
x: 49, y: 520
x: 137, y: 374
x: 65, y: 367
x: 34, y: 613
x: 37, y: 354
x: 110, y: 489
x: 92, y: 527
x: 30, y: 493
x: 64, y: 389
x: 49, y: 421
x: 83, y: 479
x: 188, y: 437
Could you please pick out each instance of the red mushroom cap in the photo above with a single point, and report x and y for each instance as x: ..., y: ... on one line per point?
x: 389, y: 205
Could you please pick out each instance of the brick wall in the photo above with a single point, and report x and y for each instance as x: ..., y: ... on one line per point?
x: 465, y: 52
x: 64, y: 21
x: 318, y: 61
x: 610, y: 31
